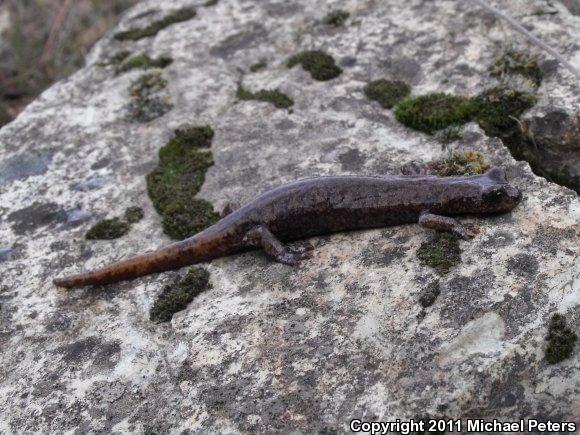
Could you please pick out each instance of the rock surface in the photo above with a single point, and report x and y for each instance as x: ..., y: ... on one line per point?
x: 270, y: 347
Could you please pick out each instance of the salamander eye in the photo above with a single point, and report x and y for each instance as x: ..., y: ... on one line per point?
x: 494, y: 194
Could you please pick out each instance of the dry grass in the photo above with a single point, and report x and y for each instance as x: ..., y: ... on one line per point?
x: 44, y: 41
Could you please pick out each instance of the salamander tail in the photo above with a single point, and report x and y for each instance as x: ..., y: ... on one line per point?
x: 194, y: 250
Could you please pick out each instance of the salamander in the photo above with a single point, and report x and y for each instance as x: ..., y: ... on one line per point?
x: 323, y: 205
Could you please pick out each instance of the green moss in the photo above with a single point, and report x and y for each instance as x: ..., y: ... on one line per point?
x: 464, y: 162
x: 561, y: 340
x: 178, y: 180
x: 387, y: 92
x: 441, y: 253
x: 152, y: 29
x: 176, y: 296
x: 512, y: 61
x: 187, y: 138
x: 182, y: 220
x: 496, y: 110
x: 273, y: 96
x: 133, y: 214
x: 143, y: 61
x: 211, y: 3
x: 319, y: 64
x: 172, y: 186
x: 147, y: 102
x: 336, y: 18
x: 108, y: 229
x: 449, y: 135
x: 433, y: 112
x: 499, y: 108
x: 258, y: 66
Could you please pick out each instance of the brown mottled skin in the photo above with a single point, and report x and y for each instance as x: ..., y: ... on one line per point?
x: 319, y: 206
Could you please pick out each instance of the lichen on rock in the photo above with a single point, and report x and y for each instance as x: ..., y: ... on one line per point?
x: 430, y: 294
x: 561, y: 340
x: 336, y: 18
x: 148, y: 101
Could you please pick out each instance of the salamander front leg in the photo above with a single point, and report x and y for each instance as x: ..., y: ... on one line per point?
x: 445, y: 223
x: 263, y: 237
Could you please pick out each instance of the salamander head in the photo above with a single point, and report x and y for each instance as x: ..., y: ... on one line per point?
x: 498, y: 196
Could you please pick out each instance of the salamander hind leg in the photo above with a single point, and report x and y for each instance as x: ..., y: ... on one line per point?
x: 445, y: 223
x: 262, y: 237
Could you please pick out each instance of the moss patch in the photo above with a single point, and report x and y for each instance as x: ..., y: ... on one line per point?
x: 441, y: 253
x: 209, y: 3
x: 176, y: 296
x: 258, y: 66
x: 463, y: 162
x: 172, y: 186
x: 512, y: 61
x: 143, y: 61
x: 499, y: 108
x: 108, y: 229
x: 387, y: 92
x: 319, y: 64
x: 561, y: 340
x: 152, y: 29
x: 496, y: 110
x: 147, y: 101
x: 436, y: 111
x: 336, y: 18
x: 181, y: 220
x: 133, y: 214
x: 273, y: 96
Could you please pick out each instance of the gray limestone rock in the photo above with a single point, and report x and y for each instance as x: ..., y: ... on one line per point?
x: 270, y: 347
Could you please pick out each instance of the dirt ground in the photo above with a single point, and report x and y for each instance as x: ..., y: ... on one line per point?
x: 42, y: 41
